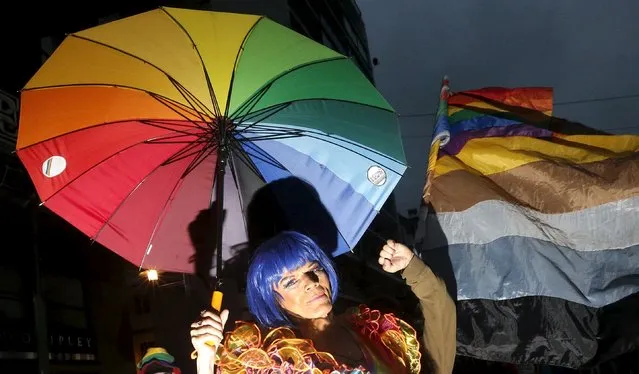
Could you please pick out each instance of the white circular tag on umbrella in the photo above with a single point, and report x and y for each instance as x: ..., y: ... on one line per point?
x: 54, y: 166
x: 376, y: 175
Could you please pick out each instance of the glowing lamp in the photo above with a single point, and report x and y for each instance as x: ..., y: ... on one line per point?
x: 152, y: 275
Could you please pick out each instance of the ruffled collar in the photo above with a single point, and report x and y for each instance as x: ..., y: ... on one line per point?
x: 390, y: 339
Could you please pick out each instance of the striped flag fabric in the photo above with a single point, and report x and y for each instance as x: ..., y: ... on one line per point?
x: 541, y: 223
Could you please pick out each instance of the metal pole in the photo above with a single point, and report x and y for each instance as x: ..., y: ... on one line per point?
x: 222, y: 158
x: 39, y: 311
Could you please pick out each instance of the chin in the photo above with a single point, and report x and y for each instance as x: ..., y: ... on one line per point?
x: 322, y: 311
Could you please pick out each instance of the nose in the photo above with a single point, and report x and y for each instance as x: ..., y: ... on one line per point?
x: 312, y: 280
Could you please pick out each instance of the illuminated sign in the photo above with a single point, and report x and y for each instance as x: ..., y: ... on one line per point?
x: 64, y: 344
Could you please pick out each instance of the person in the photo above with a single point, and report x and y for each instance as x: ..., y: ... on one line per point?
x: 291, y: 288
x: 157, y: 360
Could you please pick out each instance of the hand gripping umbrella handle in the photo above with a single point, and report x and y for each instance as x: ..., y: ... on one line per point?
x: 216, y: 304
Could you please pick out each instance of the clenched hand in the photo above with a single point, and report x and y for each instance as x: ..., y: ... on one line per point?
x: 395, y: 256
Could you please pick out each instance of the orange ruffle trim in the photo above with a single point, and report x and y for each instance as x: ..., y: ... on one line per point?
x: 393, y: 340
x: 244, y: 351
x: 280, y: 351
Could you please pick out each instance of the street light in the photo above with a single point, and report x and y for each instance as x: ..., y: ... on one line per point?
x: 151, y: 275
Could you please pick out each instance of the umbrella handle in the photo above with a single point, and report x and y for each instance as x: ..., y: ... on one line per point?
x: 216, y: 304
x: 216, y: 301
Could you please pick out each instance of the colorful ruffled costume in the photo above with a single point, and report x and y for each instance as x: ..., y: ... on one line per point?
x: 389, y: 344
x: 157, y: 360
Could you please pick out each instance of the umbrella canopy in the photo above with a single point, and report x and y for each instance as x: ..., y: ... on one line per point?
x: 126, y: 127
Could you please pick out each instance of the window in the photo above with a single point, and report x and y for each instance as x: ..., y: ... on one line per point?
x: 304, y: 20
x: 12, y: 305
x: 11, y: 308
x: 8, y: 119
x: 65, y: 301
x: 142, y: 305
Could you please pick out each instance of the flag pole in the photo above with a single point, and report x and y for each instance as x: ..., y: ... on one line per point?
x: 441, y: 136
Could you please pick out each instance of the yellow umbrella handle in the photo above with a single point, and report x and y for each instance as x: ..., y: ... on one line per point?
x: 216, y: 301
x: 216, y: 304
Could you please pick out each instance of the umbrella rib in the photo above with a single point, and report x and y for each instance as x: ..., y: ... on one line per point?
x: 356, y: 152
x: 163, y: 123
x: 271, y: 134
x: 262, y: 156
x: 188, y: 97
x: 206, y: 152
x: 158, y: 124
x: 169, y: 103
x: 170, y: 138
x: 161, y: 218
x: 256, y: 129
x: 249, y: 140
x: 263, y: 115
x: 237, y: 187
x: 250, y: 103
x: 89, y: 169
x: 254, y: 169
x: 270, y: 83
x: 307, y: 130
x: 192, y: 100
x: 183, y: 153
x: 216, y: 106
x: 284, y: 168
x: 168, y: 141
x: 131, y: 55
x: 246, y: 160
x: 145, y: 121
x: 269, y: 112
x: 325, y: 99
x: 163, y: 101
x: 314, y: 134
x: 237, y: 59
x: 272, y: 137
x: 174, y: 135
x: 268, y: 158
x: 77, y: 130
x: 115, y: 211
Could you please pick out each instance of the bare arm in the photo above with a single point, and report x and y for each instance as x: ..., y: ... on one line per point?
x: 205, y: 365
x: 440, y: 314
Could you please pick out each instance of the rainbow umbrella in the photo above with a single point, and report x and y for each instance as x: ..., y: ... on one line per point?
x: 128, y: 127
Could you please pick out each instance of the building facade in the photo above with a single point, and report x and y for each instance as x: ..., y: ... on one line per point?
x: 337, y: 24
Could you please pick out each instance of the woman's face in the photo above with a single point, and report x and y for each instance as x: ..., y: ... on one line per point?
x: 305, y: 292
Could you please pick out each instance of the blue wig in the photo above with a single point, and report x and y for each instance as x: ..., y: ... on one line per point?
x: 286, y: 251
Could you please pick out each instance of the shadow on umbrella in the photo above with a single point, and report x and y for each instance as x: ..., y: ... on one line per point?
x: 285, y: 204
x: 290, y: 204
x: 203, y: 232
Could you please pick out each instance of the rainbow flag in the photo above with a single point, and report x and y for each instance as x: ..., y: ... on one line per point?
x: 540, y: 218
